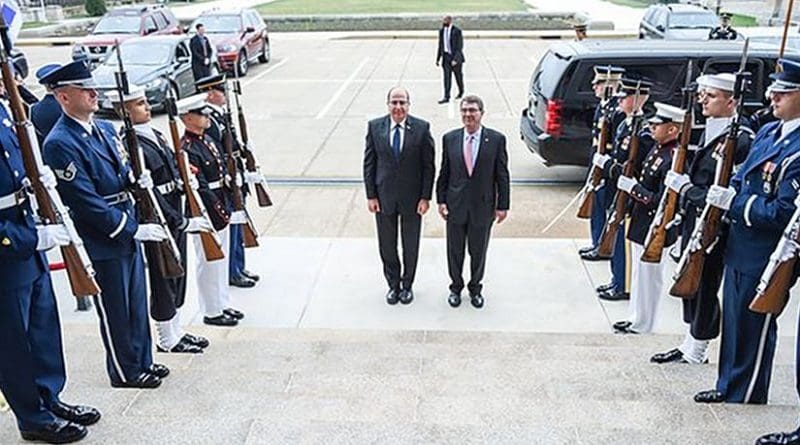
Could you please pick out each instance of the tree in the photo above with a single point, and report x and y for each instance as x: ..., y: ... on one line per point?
x: 95, y: 8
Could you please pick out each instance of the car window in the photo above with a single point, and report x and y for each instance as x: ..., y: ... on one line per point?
x: 648, y: 15
x: 547, y: 75
x: 256, y: 19
x: 160, y: 20
x: 181, y: 50
x: 150, y: 23
x: 142, y: 52
x: 665, y: 74
x: 692, y: 20
x: 169, y: 16
x: 660, y: 18
x: 220, y: 24
x: 118, y: 24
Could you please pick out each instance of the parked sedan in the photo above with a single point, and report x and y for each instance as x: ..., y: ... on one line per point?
x: 156, y: 63
x: 677, y: 22
x: 239, y: 35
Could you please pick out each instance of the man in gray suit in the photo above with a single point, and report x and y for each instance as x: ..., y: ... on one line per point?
x: 473, y: 190
x: 398, y: 176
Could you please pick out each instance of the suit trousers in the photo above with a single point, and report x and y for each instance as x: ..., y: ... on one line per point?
x: 410, y: 226
x: 122, y: 310
x: 647, y: 284
x: 702, y: 312
x: 237, y: 250
x: 748, y: 342
x: 32, y: 372
x: 598, y: 219
x: 166, y: 294
x: 213, y: 290
x: 449, y: 70
x: 476, y: 240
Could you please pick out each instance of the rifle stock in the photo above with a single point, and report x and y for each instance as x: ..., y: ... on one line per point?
x: 48, y: 204
x: 772, y: 292
x: 596, y: 176
x: 251, y: 164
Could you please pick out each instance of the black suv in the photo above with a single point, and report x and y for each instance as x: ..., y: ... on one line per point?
x: 557, y: 122
x: 677, y: 22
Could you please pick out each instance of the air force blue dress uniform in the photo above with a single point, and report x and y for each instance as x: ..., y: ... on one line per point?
x: 46, y: 112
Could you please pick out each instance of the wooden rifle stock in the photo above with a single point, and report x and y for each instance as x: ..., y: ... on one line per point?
x: 250, y: 163
x: 212, y: 246
x: 49, y: 207
x: 772, y: 292
x: 596, y: 174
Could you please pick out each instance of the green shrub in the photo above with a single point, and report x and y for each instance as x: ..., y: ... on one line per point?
x: 95, y: 8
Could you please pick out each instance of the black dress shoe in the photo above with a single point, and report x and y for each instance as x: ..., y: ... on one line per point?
x: 709, y: 396
x: 406, y: 296
x: 183, y: 347
x: 673, y: 355
x: 612, y: 295
x: 593, y: 255
x: 622, y: 324
x: 241, y: 281
x: 143, y: 381
x: 626, y: 330
x: 158, y: 370
x: 221, y: 320
x: 460, y: 95
x: 476, y: 300
x: 454, y: 299
x: 80, y: 414
x: 586, y: 249
x: 444, y: 100
x: 605, y: 287
x: 392, y: 297
x: 792, y: 438
x: 233, y: 313
x: 251, y: 275
x: 60, y: 431
x: 196, y: 340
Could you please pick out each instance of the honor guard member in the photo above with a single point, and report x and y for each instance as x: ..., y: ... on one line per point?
x: 702, y: 312
x: 94, y: 181
x: 31, y: 354
x: 580, y: 31
x: 46, y: 112
x: 760, y: 202
x: 647, y: 279
x: 209, y: 162
x: 724, y: 30
x: 630, y: 103
x: 166, y: 294
x: 605, y: 77
x: 215, y: 87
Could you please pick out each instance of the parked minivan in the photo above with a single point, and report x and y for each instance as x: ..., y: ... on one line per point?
x: 556, y: 124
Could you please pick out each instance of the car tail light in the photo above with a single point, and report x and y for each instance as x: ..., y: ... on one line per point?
x: 552, y: 122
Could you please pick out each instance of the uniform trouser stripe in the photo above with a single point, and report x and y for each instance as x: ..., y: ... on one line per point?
x: 105, y: 329
x: 759, y: 356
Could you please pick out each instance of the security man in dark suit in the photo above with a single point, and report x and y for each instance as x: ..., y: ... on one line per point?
x: 473, y: 190
x: 702, y: 312
x: 94, y: 180
x: 201, y: 50
x: 724, y: 30
x: 451, y: 55
x: 214, y: 86
x: 32, y: 373
x: 166, y: 294
x: 760, y: 202
x: 46, y: 112
x: 398, y: 176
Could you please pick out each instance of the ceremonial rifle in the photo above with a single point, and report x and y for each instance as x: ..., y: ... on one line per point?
x: 617, y: 217
x: 772, y: 292
x: 250, y: 162
x: 594, y: 180
x: 667, y: 215
x: 249, y: 233
x: 705, y: 236
x: 47, y: 203
x: 168, y: 256
x: 212, y: 245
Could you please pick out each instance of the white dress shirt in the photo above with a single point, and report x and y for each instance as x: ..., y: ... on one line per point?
x: 392, y: 125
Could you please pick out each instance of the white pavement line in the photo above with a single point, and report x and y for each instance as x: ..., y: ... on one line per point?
x: 341, y: 89
x: 365, y: 79
x: 269, y: 70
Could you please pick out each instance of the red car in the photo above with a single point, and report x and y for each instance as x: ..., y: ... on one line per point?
x: 122, y: 24
x: 240, y: 36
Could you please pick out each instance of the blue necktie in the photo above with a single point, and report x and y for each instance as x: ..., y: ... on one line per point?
x: 396, y: 142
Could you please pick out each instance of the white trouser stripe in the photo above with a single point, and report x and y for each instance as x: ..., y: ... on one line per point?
x: 107, y: 334
x: 761, y: 344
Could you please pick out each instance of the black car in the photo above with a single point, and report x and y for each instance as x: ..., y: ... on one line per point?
x: 157, y: 63
x: 557, y: 122
x: 677, y: 22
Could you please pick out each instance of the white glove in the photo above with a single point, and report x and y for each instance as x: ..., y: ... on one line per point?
x: 150, y: 232
x: 720, y: 197
x: 252, y: 177
x: 198, y: 224
x: 239, y: 180
x: 626, y: 184
x: 600, y: 160
x: 194, y: 184
x: 47, y: 177
x: 797, y: 200
x: 238, y: 217
x: 676, y: 181
x: 145, y: 181
x: 52, y: 235
x: 206, y: 61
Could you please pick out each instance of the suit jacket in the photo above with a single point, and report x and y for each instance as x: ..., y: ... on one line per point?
x: 44, y: 115
x: 456, y: 44
x: 399, y: 184
x: 200, y: 47
x: 474, y: 199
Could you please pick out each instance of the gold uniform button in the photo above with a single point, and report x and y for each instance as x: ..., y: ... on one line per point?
x: 6, y: 241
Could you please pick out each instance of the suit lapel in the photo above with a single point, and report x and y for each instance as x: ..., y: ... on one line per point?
x: 772, y: 150
x: 481, y: 150
x: 87, y: 139
x: 406, y: 137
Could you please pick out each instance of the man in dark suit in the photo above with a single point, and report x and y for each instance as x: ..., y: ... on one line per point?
x: 201, y: 53
x: 451, y: 55
x: 398, y: 176
x: 473, y: 190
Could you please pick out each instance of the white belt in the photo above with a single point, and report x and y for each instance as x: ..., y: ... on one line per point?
x: 215, y: 185
x: 13, y: 199
x: 166, y: 188
x: 117, y: 198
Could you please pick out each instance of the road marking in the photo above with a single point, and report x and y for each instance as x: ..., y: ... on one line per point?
x: 269, y: 70
x: 341, y: 89
x: 394, y: 81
